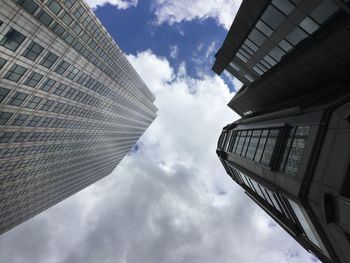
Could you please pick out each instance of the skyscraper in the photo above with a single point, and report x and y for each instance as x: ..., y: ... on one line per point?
x: 290, y: 151
x: 71, y: 106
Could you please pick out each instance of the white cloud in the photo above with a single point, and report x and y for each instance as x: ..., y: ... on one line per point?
x: 120, y: 4
x: 169, y: 202
x: 174, y: 51
x: 174, y: 11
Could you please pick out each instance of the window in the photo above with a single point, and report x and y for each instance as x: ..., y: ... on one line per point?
x: 257, y: 37
x: 269, y: 147
x: 79, y: 12
x: 284, y: 5
x: 2, y: 62
x: 77, y: 45
x: 28, y: 5
x: 54, y: 7
x: 272, y: 17
x: 34, y: 137
x: 82, y: 77
x: 33, y: 51
x: 49, y: 60
x: 304, y: 222
x: 3, y: 93
x: 33, y: 79
x: 20, y: 119
x: 15, y: 73
x: 261, y: 146
x: 21, y: 137
x: 296, y: 36
x: 44, y: 17
x: 72, y: 73
x: 58, y: 107
x: 47, y: 105
x: 62, y: 67
x: 18, y: 98
x: 70, y: 93
x: 6, y: 137
x: 4, y: 117
x: 294, y: 150
x: 33, y: 102
x: 77, y: 29
x: 324, y: 11
x: 60, y: 89
x: 67, y: 19
x: 69, y: 3
x: 270, y: 60
x: 253, y: 144
x: 12, y: 40
x: 265, y: 29
x: 309, y: 25
x: 46, y: 122
x: 69, y: 38
x: 58, y: 29
x: 285, y: 45
x: 277, y: 53
x: 48, y: 84
x: 34, y: 121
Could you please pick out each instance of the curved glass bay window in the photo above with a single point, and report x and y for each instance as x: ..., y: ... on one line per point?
x: 279, y: 148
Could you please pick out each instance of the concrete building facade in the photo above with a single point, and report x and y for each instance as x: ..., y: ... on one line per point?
x: 290, y: 151
x: 71, y: 105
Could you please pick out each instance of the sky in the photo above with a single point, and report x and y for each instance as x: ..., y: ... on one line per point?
x: 169, y: 200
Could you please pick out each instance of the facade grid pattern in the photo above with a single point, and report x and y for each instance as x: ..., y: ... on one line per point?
x: 71, y: 105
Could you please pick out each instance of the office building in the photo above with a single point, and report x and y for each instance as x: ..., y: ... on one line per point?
x: 290, y: 151
x: 71, y: 105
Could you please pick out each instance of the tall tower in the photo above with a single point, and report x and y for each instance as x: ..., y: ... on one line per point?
x: 71, y: 105
x: 290, y: 151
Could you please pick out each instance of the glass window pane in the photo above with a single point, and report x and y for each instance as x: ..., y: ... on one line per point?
x: 241, y: 57
x: 48, y: 84
x: 28, y: 5
x: 12, y: 40
x: 17, y: 99
x: 324, y: 11
x: 257, y: 37
x: 58, y: 29
x: 296, y: 36
x: 296, y: 150
x: 253, y: 144
x: 241, y: 142
x: 33, y: 79
x: 33, y: 51
x: 3, y: 93
x: 251, y: 45
x: 54, y: 7
x: 49, y: 60
x: 67, y: 19
x: 261, y: 146
x: 285, y: 45
x: 272, y: 17
x: 2, y: 62
x: 15, y: 73
x: 284, y: 5
x: 269, y: 147
x: 309, y: 25
x: 4, y: 117
x: 277, y: 53
x: 264, y: 28
x: 304, y: 223
x: 270, y: 60
x: 44, y: 17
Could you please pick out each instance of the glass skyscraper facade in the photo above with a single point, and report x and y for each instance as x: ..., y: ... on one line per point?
x: 290, y: 149
x: 71, y: 105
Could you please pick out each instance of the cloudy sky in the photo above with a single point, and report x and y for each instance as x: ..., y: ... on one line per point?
x: 170, y: 201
